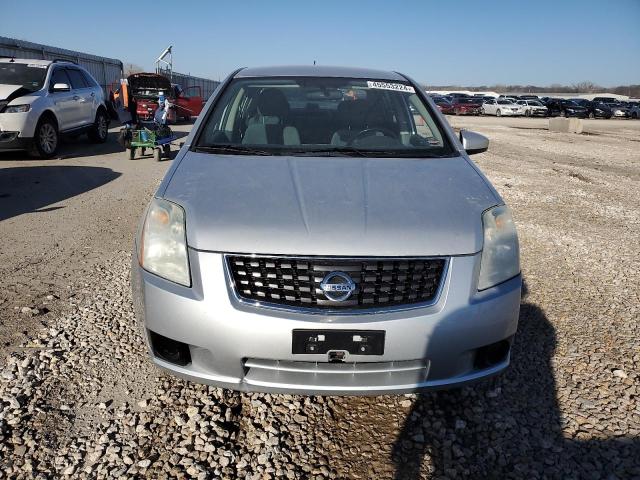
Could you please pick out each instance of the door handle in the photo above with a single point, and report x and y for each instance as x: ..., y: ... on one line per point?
x: 76, y: 97
x: 93, y: 94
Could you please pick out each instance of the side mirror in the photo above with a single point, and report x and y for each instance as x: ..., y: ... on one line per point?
x: 473, y: 142
x: 61, y: 87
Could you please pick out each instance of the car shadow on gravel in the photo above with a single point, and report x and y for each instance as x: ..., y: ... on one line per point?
x: 33, y: 189
x: 509, y: 427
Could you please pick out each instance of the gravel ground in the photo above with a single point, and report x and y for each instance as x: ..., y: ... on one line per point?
x: 79, y: 399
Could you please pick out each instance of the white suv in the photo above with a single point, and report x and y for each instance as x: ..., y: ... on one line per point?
x: 41, y: 100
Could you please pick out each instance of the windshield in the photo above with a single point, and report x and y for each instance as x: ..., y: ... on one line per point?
x: 322, y: 116
x: 505, y: 102
x: 29, y: 76
x: 534, y: 103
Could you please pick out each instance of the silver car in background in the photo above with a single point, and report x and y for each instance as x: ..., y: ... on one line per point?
x: 323, y: 231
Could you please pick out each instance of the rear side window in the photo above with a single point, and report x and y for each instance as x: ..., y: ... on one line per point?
x: 89, y: 79
x: 77, y: 79
x: 59, y: 76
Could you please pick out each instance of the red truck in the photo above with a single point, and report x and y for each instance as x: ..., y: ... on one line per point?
x: 188, y: 101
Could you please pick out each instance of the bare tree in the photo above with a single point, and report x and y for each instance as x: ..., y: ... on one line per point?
x: 131, y: 68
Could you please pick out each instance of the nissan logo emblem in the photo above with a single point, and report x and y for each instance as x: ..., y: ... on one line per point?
x: 337, y: 286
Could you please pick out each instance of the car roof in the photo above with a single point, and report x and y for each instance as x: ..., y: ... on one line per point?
x: 25, y: 60
x: 34, y: 61
x: 318, y: 71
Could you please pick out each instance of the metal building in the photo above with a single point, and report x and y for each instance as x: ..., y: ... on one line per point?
x: 105, y: 70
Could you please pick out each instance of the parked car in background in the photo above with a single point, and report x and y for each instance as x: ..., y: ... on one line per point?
x: 594, y: 109
x: 501, y: 107
x: 458, y: 95
x: 565, y: 108
x: 634, y: 111
x: 618, y: 109
x: 444, y: 105
x: 242, y: 277
x: 529, y: 97
x: 43, y: 100
x: 533, y: 108
x: 466, y: 106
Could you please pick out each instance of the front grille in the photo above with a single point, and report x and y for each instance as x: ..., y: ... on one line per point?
x: 295, y: 282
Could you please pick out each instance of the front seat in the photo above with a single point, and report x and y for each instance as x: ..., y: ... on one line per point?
x: 351, y: 118
x: 269, y: 127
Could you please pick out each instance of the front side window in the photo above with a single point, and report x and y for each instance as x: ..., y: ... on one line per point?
x: 327, y: 116
x: 59, y: 75
x: 28, y: 76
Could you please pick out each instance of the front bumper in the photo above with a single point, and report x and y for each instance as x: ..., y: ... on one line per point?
x: 469, y: 111
x: 10, y: 141
x: 247, y: 348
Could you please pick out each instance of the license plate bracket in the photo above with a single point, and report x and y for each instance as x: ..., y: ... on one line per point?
x: 356, y: 342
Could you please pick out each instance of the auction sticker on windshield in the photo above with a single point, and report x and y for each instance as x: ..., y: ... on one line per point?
x: 391, y: 86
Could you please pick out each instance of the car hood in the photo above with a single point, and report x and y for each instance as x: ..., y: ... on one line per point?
x: 9, y: 92
x: 342, y: 206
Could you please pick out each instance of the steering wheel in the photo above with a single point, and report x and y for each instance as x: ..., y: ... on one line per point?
x: 369, y: 132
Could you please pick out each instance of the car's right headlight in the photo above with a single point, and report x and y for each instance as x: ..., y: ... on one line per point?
x: 163, y: 244
x: 500, y: 252
x: 17, y: 108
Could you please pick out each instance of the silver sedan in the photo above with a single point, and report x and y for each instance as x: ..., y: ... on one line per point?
x: 323, y: 231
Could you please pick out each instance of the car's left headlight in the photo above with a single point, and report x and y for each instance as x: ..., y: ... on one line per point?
x: 17, y: 108
x: 500, y: 252
x: 163, y: 244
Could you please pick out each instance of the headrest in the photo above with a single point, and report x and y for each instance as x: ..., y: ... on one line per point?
x: 353, y: 113
x: 272, y: 103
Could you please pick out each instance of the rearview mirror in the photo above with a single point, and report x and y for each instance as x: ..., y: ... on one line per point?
x: 473, y: 142
x: 61, y: 87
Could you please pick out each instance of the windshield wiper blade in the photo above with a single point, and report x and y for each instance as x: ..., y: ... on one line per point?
x: 338, y: 151
x: 233, y: 149
x: 356, y: 152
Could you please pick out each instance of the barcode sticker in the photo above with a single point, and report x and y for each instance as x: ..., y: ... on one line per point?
x: 399, y: 87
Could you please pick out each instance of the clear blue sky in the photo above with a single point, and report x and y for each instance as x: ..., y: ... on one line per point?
x: 436, y: 42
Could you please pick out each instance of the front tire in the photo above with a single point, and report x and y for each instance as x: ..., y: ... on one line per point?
x: 498, y: 113
x: 100, y: 130
x: 46, y: 138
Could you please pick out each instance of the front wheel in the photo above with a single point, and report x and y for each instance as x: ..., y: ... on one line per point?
x: 592, y: 115
x: 498, y: 113
x: 46, y: 139
x: 100, y: 129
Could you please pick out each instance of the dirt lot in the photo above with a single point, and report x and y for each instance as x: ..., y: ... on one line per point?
x: 78, y: 398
